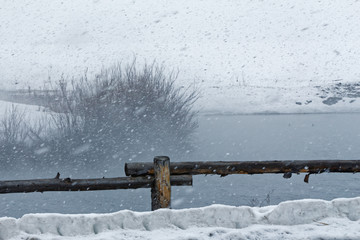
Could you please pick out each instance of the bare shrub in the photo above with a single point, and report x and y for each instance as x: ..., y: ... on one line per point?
x: 14, y: 146
x: 122, y: 113
x: 12, y: 127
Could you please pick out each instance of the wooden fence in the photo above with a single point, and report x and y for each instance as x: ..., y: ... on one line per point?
x: 161, y: 175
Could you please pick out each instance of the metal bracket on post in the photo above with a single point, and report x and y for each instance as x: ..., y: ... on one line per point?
x: 161, y: 188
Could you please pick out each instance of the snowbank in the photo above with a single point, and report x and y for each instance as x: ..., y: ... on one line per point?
x: 302, y: 219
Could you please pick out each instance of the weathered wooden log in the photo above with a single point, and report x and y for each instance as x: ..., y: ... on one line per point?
x: 161, y: 189
x: 248, y: 167
x: 67, y: 184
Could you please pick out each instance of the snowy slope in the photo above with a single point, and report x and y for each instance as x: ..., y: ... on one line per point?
x: 245, y: 56
x: 303, y: 219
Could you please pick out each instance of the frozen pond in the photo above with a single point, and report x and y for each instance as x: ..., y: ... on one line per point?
x: 279, y: 137
x: 227, y: 138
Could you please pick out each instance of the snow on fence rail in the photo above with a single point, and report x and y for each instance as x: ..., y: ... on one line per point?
x: 161, y: 175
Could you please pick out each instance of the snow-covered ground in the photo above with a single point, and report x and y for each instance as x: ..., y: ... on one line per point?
x: 302, y: 219
x: 31, y: 113
x: 245, y: 56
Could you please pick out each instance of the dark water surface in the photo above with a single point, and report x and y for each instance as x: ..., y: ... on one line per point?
x: 228, y: 138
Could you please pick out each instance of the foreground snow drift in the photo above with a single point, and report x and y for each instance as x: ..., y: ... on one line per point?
x: 301, y: 219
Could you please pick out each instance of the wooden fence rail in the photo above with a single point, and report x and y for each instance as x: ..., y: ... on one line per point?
x: 160, y: 184
x: 67, y: 184
x: 248, y: 167
x: 161, y: 175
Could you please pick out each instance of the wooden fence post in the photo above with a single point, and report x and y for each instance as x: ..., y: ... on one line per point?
x: 161, y: 188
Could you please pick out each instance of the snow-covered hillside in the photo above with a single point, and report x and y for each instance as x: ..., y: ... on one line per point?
x: 303, y: 219
x: 245, y: 56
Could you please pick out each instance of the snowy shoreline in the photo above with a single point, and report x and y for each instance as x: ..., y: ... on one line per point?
x: 233, y: 101
x: 216, y: 113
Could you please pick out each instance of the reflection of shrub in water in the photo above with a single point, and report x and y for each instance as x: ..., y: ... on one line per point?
x: 124, y: 112
x: 256, y: 202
